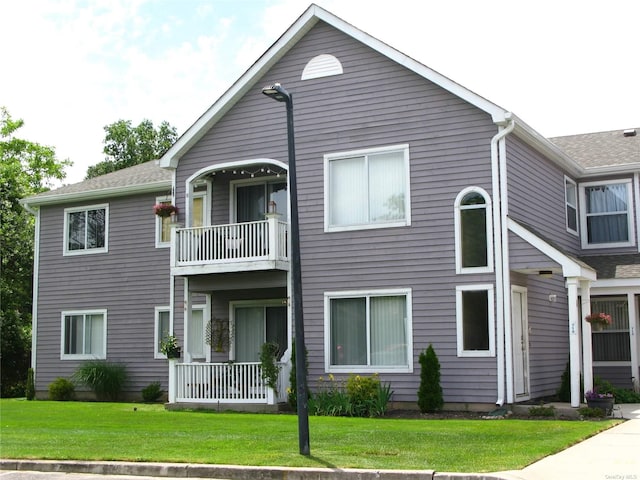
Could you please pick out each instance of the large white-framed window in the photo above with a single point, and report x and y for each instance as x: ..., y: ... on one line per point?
x: 473, y: 231
x: 163, y: 225
x: 606, y: 214
x: 368, y: 331
x: 367, y: 189
x: 162, y: 328
x: 571, y: 205
x: 255, y: 322
x: 83, y: 335
x: 251, y: 199
x: 475, y: 320
x: 86, y: 229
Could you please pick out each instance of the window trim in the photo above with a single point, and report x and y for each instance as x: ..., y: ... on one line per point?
x: 491, y: 352
x: 329, y: 157
x: 458, y: 231
x: 156, y: 332
x: 268, y: 302
x: 630, y: 214
x: 159, y: 242
x: 328, y: 296
x: 83, y: 356
x: 567, y: 180
x: 65, y: 236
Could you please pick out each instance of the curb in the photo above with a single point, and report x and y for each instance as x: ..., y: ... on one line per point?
x: 235, y: 472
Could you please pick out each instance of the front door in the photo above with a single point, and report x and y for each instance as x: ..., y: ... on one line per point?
x: 520, y: 342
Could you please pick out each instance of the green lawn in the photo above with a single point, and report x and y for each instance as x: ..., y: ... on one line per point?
x: 140, y: 432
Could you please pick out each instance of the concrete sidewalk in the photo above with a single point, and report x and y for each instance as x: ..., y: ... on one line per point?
x: 610, y: 455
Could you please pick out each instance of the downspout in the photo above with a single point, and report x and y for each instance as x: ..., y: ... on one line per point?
x: 36, y: 280
x: 496, y: 184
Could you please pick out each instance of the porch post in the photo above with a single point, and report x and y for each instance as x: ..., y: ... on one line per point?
x: 633, y: 339
x: 272, y: 222
x: 186, y: 320
x: 574, y: 340
x: 587, y: 349
x: 173, y: 362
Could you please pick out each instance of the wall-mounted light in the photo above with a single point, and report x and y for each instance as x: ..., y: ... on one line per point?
x: 545, y: 273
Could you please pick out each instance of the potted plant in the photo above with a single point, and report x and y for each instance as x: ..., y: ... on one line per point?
x: 165, y: 209
x: 169, y: 346
x: 603, y: 401
x: 599, y: 320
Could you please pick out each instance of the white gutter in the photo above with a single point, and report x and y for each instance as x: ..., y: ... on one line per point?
x: 499, y: 236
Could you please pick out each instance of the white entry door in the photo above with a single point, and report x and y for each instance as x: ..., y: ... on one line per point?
x: 520, y: 342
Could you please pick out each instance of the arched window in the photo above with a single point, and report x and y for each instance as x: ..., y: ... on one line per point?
x: 474, y: 239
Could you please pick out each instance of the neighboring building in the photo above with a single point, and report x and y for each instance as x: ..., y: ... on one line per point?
x: 428, y: 215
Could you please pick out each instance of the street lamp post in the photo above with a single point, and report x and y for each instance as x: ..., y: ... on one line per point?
x: 277, y: 92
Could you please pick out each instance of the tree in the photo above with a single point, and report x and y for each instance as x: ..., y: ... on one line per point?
x: 126, y: 145
x: 430, y: 392
x: 26, y: 168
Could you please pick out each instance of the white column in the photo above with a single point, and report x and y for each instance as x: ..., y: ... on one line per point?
x: 173, y: 365
x: 574, y: 340
x: 587, y: 349
x: 187, y: 320
x: 633, y: 339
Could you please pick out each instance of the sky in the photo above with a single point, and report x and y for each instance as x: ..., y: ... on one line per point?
x: 71, y: 67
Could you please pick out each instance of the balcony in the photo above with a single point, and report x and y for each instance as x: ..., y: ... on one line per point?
x: 225, y: 383
x: 236, y: 247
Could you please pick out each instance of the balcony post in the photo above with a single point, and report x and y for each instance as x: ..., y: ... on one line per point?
x: 272, y: 235
x: 173, y: 366
x: 173, y: 248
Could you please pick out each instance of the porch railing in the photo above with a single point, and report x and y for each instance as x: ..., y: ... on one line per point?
x: 262, y: 240
x: 225, y: 383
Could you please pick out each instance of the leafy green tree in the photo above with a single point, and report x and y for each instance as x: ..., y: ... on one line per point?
x: 26, y: 168
x: 126, y: 145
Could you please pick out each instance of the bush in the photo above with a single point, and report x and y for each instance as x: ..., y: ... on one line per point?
x: 105, y: 379
x: 587, y: 412
x: 292, y: 392
x: 270, y: 368
x: 542, y: 411
x: 152, y: 392
x: 61, y: 389
x: 564, y: 392
x: 30, y: 389
x: 430, y: 392
x: 359, y: 396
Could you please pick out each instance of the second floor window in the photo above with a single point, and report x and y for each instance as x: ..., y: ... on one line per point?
x: 86, y: 229
x: 607, y: 214
x: 571, y: 201
x: 473, y: 231
x: 367, y: 189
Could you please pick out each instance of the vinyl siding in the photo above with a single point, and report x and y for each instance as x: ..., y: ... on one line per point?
x: 376, y: 102
x: 128, y: 281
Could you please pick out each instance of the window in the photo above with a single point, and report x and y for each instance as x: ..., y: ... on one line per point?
x: 85, y: 229
x: 474, y: 237
x: 612, y: 344
x: 162, y: 328
x: 255, y: 323
x: 475, y: 320
x: 163, y: 225
x: 571, y: 202
x: 252, y: 200
x: 84, y: 335
x: 196, y: 345
x: 367, y: 189
x: 368, y: 331
x: 606, y: 217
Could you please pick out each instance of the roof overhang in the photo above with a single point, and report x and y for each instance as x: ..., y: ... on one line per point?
x: 571, y: 267
x: 54, y: 199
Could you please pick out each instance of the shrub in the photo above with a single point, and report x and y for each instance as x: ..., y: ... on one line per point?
x: 105, y: 379
x: 61, y: 389
x: 542, y: 411
x: 359, y: 396
x: 430, y: 392
x: 564, y: 392
x: 330, y: 399
x: 292, y: 392
x: 270, y: 369
x: 587, y: 412
x: 152, y: 392
x: 30, y: 388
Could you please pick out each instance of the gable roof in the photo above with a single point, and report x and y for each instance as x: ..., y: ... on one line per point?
x: 142, y: 178
x: 615, y: 266
x: 603, y: 152
x: 300, y: 27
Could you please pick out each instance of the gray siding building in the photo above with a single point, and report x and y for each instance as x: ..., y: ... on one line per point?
x: 428, y: 215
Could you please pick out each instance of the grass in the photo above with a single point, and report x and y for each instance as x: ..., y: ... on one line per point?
x: 142, y: 432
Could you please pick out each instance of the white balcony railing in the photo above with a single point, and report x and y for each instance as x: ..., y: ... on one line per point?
x: 237, y: 242
x: 224, y: 383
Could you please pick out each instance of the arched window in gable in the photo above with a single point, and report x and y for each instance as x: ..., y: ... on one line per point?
x: 474, y: 238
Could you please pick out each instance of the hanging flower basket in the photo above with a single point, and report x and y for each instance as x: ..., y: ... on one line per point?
x: 598, y: 320
x: 164, y: 209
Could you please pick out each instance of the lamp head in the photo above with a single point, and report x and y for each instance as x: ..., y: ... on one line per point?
x: 277, y: 92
